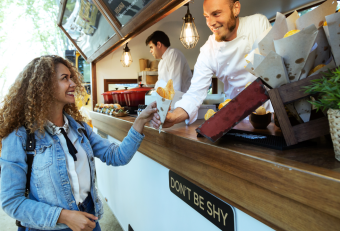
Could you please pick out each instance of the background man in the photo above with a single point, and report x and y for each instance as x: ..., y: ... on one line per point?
x: 173, y: 64
x: 222, y: 55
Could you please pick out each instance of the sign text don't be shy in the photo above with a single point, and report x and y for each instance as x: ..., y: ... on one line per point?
x: 215, y: 210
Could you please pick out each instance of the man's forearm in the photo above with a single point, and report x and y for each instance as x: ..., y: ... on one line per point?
x: 179, y: 115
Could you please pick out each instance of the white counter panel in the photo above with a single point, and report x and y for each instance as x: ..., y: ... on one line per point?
x: 138, y: 194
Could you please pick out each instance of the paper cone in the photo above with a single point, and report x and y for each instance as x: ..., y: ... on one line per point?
x: 293, y: 111
x: 279, y: 29
x: 330, y: 64
x: 309, y: 63
x: 250, y: 56
x: 323, y: 52
x: 291, y: 20
x: 317, y: 16
x: 259, y: 39
x: 333, y: 34
x: 303, y: 108
x: 257, y: 60
x: 250, y: 68
x: 272, y: 70
x: 162, y: 108
x: 295, y: 50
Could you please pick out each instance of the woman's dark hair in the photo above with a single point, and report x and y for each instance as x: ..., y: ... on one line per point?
x: 158, y: 36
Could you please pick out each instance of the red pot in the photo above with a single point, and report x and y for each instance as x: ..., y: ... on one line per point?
x: 108, y: 97
x: 118, y: 97
x: 136, y: 96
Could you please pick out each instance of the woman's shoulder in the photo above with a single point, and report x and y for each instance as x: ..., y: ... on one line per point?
x: 17, y: 133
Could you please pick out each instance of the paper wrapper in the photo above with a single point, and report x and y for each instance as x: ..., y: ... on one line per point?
x: 323, y: 52
x: 259, y: 39
x: 272, y: 70
x: 309, y: 63
x: 333, y: 35
x: 330, y: 64
x: 303, y: 108
x: 250, y: 68
x: 295, y: 50
x: 279, y: 29
x: 317, y: 16
x: 293, y: 111
x: 163, y: 106
x: 291, y: 20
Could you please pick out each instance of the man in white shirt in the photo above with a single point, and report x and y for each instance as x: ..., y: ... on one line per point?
x: 173, y: 64
x: 222, y: 55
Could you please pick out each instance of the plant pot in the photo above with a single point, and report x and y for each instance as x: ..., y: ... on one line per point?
x: 334, y: 127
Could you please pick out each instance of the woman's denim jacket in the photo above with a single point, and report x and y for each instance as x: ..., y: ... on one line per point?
x: 50, y: 189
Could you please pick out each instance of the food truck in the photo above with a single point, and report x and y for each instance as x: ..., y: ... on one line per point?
x: 183, y: 180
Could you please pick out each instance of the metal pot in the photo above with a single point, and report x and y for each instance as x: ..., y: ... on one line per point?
x: 118, y: 97
x: 136, y: 96
x: 108, y: 97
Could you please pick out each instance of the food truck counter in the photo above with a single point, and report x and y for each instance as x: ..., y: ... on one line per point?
x: 294, y: 189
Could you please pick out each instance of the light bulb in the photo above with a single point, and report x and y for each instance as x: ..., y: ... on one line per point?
x: 188, y: 33
x: 189, y: 36
x: 126, y: 58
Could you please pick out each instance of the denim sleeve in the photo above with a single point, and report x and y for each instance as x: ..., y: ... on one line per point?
x: 112, y: 153
x: 13, y: 184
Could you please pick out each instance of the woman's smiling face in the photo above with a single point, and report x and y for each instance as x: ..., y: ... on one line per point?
x: 65, y: 86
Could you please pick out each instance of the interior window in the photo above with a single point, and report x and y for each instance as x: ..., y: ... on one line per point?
x: 302, y: 12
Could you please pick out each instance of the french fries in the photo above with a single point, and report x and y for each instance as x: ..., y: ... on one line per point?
x: 168, y: 92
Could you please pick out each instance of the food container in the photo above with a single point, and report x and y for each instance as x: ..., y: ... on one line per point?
x: 136, y: 96
x: 108, y: 97
x: 260, y: 121
x: 118, y: 97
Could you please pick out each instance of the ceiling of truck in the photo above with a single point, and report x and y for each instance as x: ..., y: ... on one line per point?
x: 270, y: 7
x: 265, y: 7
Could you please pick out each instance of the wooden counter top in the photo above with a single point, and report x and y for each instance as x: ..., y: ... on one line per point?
x: 296, y: 189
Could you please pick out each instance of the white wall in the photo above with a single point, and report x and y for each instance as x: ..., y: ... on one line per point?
x: 111, y: 68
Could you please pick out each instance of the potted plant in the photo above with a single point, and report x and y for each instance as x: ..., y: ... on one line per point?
x: 328, y: 99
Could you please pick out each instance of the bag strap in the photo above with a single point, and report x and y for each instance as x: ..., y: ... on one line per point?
x: 30, y: 146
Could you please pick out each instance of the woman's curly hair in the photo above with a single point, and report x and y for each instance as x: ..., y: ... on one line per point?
x: 30, y: 99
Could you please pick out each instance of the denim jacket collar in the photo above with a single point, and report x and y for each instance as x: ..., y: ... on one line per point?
x: 54, y: 129
x: 74, y: 124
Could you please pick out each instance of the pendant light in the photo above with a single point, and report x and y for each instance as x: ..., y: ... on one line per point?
x: 189, y: 36
x: 126, y: 58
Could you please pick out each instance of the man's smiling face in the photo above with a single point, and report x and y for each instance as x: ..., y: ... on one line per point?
x: 220, y: 17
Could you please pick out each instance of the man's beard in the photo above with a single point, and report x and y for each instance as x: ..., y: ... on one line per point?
x: 231, y: 24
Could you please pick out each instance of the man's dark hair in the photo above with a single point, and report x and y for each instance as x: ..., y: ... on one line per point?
x: 158, y: 36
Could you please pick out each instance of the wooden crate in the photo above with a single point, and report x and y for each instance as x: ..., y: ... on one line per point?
x: 288, y: 94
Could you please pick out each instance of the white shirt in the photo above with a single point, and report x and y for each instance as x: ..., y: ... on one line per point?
x: 174, y: 65
x: 78, y: 171
x: 226, y: 61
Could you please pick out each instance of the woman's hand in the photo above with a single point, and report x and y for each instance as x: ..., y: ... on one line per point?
x: 77, y: 221
x: 144, y: 117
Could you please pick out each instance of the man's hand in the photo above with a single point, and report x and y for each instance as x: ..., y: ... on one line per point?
x: 177, y: 116
x: 77, y: 221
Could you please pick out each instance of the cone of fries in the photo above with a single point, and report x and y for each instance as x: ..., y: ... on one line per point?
x: 164, y: 98
x: 296, y: 48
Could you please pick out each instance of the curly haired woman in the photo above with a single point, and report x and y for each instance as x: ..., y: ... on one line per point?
x: 62, y: 192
